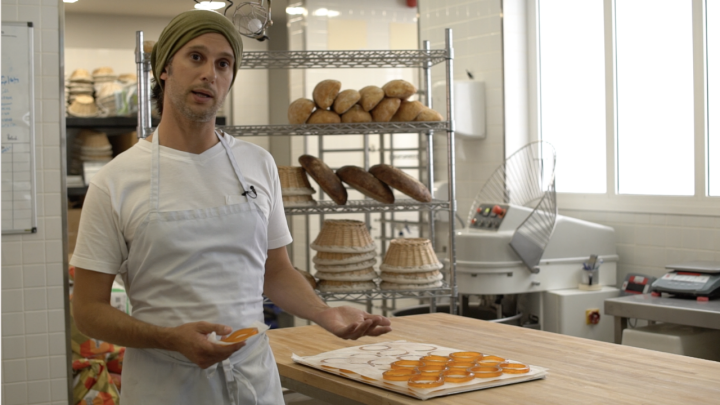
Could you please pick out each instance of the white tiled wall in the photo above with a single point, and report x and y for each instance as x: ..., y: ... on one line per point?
x: 34, y: 357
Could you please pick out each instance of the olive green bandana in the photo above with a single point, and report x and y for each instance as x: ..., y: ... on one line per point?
x: 188, y: 26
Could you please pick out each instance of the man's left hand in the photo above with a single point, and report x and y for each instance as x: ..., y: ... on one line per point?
x: 351, y: 323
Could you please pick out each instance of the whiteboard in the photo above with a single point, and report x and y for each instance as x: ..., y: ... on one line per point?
x: 19, y: 213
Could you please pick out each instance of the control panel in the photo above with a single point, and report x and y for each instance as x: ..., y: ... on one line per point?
x: 489, y: 216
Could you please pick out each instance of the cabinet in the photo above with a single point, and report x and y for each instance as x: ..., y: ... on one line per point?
x: 422, y: 59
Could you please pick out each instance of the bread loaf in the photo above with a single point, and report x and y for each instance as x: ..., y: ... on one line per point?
x: 370, y: 96
x: 345, y: 100
x: 399, y: 180
x: 325, y: 92
x: 356, y: 114
x: 300, y: 110
x: 366, y: 183
x: 399, y: 88
x: 408, y: 111
x: 385, y: 109
x: 325, y: 178
x: 323, y: 117
x: 428, y: 114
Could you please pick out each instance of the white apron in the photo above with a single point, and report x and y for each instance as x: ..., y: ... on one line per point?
x: 199, y: 265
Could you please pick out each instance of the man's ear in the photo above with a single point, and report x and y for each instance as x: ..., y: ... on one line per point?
x: 164, y: 74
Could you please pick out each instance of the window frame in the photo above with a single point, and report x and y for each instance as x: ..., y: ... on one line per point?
x: 698, y: 204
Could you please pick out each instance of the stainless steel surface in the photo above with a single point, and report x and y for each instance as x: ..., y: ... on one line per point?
x: 661, y: 309
x: 142, y: 60
x: 362, y: 206
x: 341, y: 59
x: 429, y: 141
x: 335, y: 129
x: 451, y: 166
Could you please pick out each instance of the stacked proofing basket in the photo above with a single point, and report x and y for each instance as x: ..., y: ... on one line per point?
x: 295, y: 186
x: 345, y: 258
x: 410, y: 264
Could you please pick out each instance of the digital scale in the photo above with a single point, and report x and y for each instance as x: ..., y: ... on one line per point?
x: 696, y: 279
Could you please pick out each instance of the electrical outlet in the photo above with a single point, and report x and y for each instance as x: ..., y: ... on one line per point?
x: 592, y: 316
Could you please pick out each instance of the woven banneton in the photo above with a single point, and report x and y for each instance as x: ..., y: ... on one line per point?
x: 421, y: 277
x: 293, y: 177
x: 366, y: 274
x: 341, y: 268
x: 290, y: 200
x: 343, y: 236
x: 396, y: 286
x: 83, y: 106
x: 92, y: 139
x: 410, y: 255
x: 339, y: 259
x: 345, y: 286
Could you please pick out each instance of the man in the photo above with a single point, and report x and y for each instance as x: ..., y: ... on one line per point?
x: 193, y: 221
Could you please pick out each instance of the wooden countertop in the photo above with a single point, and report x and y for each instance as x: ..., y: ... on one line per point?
x: 581, y: 371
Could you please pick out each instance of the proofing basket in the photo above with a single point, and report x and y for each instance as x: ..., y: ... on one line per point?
x: 410, y: 255
x: 343, y: 236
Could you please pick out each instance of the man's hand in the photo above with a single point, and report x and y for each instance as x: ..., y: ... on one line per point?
x: 190, y: 339
x: 350, y: 323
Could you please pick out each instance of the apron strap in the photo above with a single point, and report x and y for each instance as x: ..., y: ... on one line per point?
x: 248, y: 191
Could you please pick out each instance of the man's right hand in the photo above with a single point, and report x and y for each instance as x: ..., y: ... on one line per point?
x: 191, y: 340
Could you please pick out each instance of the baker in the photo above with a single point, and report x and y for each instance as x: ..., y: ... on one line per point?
x: 192, y: 219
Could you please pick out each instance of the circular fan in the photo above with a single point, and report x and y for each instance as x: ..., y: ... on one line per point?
x: 251, y: 19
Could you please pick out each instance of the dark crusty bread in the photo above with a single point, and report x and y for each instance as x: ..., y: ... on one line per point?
x: 325, y: 178
x: 399, y: 180
x: 366, y: 183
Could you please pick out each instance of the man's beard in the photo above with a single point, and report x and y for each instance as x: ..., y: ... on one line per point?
x: 205, y: 115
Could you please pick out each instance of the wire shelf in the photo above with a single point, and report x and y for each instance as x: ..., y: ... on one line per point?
x: 342, y: 59
x: 363, y: 206
x: 337, y: 129
x: 442, y: 292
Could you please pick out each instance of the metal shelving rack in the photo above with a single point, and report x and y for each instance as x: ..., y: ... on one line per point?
x: 423, y: 59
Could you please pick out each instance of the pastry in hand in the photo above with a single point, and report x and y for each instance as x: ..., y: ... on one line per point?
x: 323, y: 117
x: 399, y: 88
x: 370, y: 96
x: 385, y: 109
x: 325, y: 92
x: 401, y: 181
x: 345, y: 100
x: 300, y: 110
x: 356, y: 114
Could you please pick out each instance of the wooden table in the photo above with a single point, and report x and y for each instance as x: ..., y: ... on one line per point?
x: 680, y: 311
x: 581, y: 371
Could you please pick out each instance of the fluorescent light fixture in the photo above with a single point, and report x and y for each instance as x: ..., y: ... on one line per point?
x: 296, y: 11
x: 210, y: 5
x: 69, y: 1
x: 323, y: 12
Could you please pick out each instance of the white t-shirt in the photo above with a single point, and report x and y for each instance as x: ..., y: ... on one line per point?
x: 118, y: 199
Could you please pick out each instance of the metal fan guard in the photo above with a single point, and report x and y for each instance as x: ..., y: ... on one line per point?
x: 246, y: 12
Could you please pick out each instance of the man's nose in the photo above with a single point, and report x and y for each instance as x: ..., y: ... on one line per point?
x: 209, y: 72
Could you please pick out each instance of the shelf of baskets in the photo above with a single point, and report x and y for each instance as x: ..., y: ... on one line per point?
x: 336, y: 129
x: 366, y: 206
x: 342, y: 59
x: 441, y: 292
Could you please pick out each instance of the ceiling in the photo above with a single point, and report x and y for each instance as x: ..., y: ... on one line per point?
x: 158, y: 8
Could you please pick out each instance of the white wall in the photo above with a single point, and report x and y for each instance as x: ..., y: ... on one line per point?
x: 34, y: 352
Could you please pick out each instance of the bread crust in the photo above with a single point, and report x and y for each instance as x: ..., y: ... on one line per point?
x: 385, y: 109
x: 325, y: 178
x: 408, y: 111
x: 399, y: 88
x: 428, y: 114
x: 299, y: 111
x: 370, y: 96
x: 345, y: 100
x: 356, y: 114
x: 325, y: 92
x: 366, y: 183
x: 401, y: 181
x: 323, y: 117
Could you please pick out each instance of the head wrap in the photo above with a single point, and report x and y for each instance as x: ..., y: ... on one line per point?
x: 187, y: 26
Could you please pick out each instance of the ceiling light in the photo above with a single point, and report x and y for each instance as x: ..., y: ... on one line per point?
x: 209, y: 5
x: 325, y: 12
x: 296, y: 11
x: 69, y: 1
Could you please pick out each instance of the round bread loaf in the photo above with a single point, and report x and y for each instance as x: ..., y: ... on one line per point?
x: 342, y: 268
x: 345, y: 286
x: 385, y: 109
x: 325, y: 177
x: 337, y: 259
x: 408, y: 111
x: 399, y: 88
x: 355, y: 275
x: 428, y: 114
x: 424, y: 277
x: 366, y: 183
x: 356, y: 114
x: 345, y: 100
x: 300, y: 110
x: 308, y: 277
x: 323, y: 117
x: 399, y: 180
x: 370, y: 96
x: 395, y: 286
x: 325, y: 92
